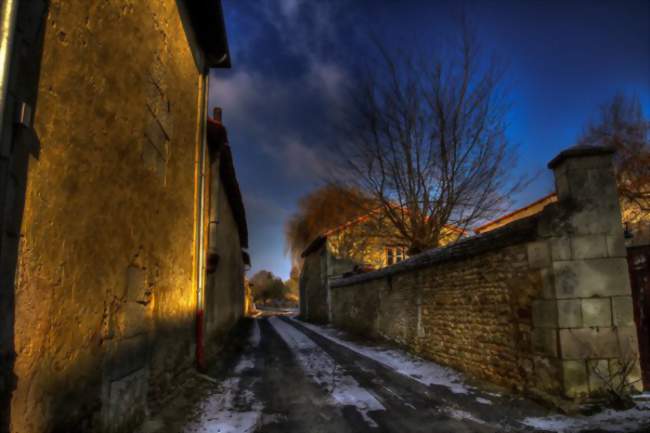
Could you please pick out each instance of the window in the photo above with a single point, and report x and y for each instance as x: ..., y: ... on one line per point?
x: 394, y: 255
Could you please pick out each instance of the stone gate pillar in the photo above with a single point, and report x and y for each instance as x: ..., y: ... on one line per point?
x: 585, y: 320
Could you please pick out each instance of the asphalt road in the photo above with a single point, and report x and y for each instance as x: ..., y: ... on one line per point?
x: 283, y: 377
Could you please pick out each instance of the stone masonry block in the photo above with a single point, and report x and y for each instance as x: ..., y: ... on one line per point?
x: 545, y: 314
x: 589, y: 246
x: 596, y: 312
x: 561, y: 249
x: 596, y: 220
x: 627, y: 337
x: 548, y: 283
x: 631, y: 366
x: 598, y: 374
x: 548, y: 373
x: 588, y: 162
x: 576, y: 382
x: 593, y: 186
x: 588, y: 343
x: 595, y: 277
x: 562, y: 185
x: 616, y: 246
x: 538, y: 254
x: 569, y: 313
x: 545, y: 341
x: 623, y: 311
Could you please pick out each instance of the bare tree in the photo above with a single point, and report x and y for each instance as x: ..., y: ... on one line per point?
x: 622, y: 125
x: 426, y: 139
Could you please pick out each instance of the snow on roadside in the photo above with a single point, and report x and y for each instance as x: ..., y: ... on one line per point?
x: 231, y: 409
x: 425, y: 372
x: 255, y: 336
x: 320, y: 367
x: 608, y: 420
x: 462, y: 415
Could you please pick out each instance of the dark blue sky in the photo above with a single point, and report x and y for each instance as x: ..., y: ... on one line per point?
x: 292, y: 58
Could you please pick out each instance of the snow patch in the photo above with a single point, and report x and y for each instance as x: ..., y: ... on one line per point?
x: 461, y: 415
x: 425, y: 372
x: 609, y: 420
x: 244, y: 364
x: 255, y: 336
x: 483, y: 400
x: 230, y: 409
x: 321, y: 368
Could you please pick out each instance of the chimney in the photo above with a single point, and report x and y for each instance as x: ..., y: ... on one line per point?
x: 217, y: 114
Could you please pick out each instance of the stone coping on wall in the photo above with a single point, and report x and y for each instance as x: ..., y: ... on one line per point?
x: 580, y: 150
x: 523, y: 230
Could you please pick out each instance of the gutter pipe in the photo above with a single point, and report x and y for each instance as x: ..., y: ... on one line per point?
x: 7, y: 31
x: 200, y: 242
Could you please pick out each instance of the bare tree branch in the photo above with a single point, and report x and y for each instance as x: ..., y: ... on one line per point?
x: 425, y: 138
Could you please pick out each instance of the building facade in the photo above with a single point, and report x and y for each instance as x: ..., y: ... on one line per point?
x: 366, y: 243
x: 122, y: 224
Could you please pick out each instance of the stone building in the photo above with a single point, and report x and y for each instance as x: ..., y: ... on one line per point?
x: 122, y: 224
x: 361, y: 245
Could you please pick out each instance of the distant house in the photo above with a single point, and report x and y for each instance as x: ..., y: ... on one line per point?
x: 523, y: 212
x: 366, y: 243
x: 636, y: 224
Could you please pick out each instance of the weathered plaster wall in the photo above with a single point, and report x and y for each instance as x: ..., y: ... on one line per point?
x: 16, y: 145
x: 224, y: 293
x: 542, y: 304
x: 104, y: 297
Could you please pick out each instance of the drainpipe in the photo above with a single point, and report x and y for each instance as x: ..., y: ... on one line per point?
x: 200, y: 241
x: 7, y: 31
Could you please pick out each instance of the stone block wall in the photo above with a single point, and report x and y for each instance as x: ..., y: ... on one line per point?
x: 584, y: 319
x: 541, y: 305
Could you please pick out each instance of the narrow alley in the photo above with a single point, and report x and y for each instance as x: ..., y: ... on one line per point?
x: 294, y: 377
x: 290, y: 216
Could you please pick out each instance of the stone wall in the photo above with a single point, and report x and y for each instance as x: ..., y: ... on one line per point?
x: 105, y: 295
x: 542, y: 304
x: 462, y: 307
x: 313, y: 291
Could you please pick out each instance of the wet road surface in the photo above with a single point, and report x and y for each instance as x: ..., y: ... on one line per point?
x: 285, y: 377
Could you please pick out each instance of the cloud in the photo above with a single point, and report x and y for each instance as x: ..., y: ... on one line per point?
x: 289, y: 7
x: 264, y: 208
x: 304, y: 162
x: 279, y: 101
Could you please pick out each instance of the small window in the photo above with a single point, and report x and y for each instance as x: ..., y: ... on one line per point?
x: 390, y: 256
x: 394, y: 255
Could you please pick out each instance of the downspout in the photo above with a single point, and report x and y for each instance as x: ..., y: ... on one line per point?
x: 7, y: 31
x: 200, y: 241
